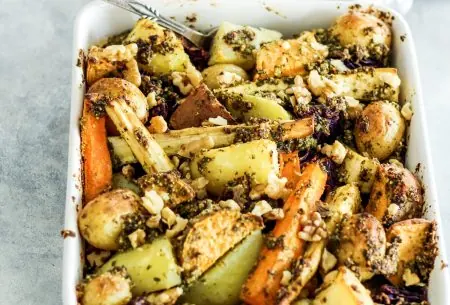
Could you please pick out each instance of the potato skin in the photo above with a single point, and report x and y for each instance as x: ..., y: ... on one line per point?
x: 417, y: 247
x: 379, y: 130
x: 210, y: 74
x: 362, y: 242
x: 110, y: 288
x: 152, y: 267
x: 395, y: 185
x: 100, y: 221
x: 361, y: 29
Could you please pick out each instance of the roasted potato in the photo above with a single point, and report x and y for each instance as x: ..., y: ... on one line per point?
x: 344, y: 200
x: 358, y: 169
x: 341, y: 286
x: 396, y: 195
x: 151, y: 267
x: 234, y: 44
x: 221, y: 166
x: 200, y: 104
x: 101, y: 219
x: 223, y: 75
x: 357, y: 29
x: 416, y: 247
x: 243, y: 107
x: 120, y: 152
x: 159, y: 49
x: 108, y: 89
x: 116, y: 60
x: 110, y: 288
x: 379, y: 130
x: 367, y: 85
x: 362, y: 244
x: 119, y: 181
x: 221, y: 285
x: 288, y: 58
x: 212, y: 235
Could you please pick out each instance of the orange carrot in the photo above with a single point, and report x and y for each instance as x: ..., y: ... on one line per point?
x: 290, y: 168
x: 97, y: 166
x: 263, y: 283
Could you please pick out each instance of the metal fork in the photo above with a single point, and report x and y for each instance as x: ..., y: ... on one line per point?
x: 197, y: 38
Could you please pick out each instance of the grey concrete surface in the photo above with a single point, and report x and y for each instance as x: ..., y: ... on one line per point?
x: 35, y: 70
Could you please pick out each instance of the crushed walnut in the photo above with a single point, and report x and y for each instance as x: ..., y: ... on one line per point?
x: 158, y: 125
x: 313, y: 229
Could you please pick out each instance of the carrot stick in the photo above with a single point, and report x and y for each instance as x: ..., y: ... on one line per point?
x: 290, y: 168
x: 97, y: 166
x: 263, y: 283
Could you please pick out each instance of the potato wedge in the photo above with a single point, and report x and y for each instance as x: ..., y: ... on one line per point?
x: 159, y: 50
x: 151, y: 267
x: 222, y: 284
x: 342, y: 287
x: 234, y: 44
x: 288, y: 58
x: 223, y: 75
x: 210, y: 236
x: 358, y: 169
x: 416, y: 240
x: 221, y: 166
x: 245, y: 106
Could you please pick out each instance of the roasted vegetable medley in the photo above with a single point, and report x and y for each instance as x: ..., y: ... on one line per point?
x: 264, y: 170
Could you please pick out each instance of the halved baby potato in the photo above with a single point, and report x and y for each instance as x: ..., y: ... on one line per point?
x: 223, y: 75
x: 359, y: 170
x: 396, y: 195
x: 210, y: 236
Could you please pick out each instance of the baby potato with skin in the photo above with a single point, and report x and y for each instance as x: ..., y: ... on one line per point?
x: 396, y: 195
x: 379, y: 130
x: 110, y: 288
x: 362, y: 244
x: 363, y: 30
x: 101, y: 220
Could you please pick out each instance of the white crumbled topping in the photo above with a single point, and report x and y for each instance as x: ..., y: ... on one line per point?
x: 153, y: 202
x: 335, y: 152
x: 410, y: 278
x: 351, y: 102
x: 300, y: 92
x: 286, y: 45
x: 219, y: 121
x: 274, y: 214
x: 322, y: 86
x: 194, y: 76
x: 286, y: 278
x: 229, y: 204
x: 228, y: 78
x: 168, y: 216
x: 339, y: 65
x: 158, y: 125
x: 181, y: 80
x: 98, y: 258
x: 261, y: 207
x: 392, y: 79
x: 276, y: 186
x: 153, y: 221
x: 166, y: 297
x: 328, y: 261
x: 199, y: 186
x: 206, y: 142
x: 407, y: 111
x: 257, y: 192
x: 378, y: 38
x: 393, y: 209
x: 137, y: 238
x: 151, y: 100
x: 180, y: 224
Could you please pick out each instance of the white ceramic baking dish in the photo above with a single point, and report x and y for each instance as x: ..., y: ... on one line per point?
x: 98, y: 20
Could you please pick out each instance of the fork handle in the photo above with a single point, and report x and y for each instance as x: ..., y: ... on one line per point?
x: 145, y: 10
